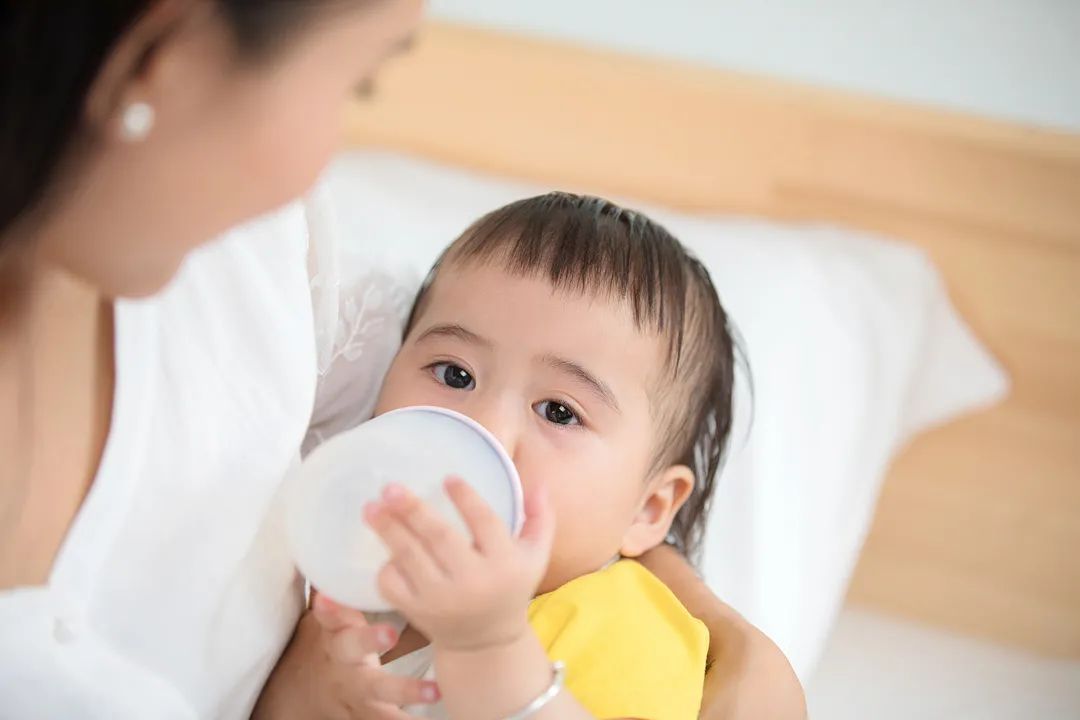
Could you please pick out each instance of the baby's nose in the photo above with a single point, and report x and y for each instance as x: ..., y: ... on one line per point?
x: 500, y: 422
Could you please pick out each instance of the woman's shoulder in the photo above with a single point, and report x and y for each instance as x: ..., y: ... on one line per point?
x: 272, y: 247
x: 240, y: 304
x: 296, y: 294
x: 360, y: 301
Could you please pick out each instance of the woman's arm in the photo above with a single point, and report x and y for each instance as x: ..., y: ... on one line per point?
x: 749, y: 678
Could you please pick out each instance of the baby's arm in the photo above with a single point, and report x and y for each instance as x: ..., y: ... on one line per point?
x: 500, y: 680
x: 471, y: 599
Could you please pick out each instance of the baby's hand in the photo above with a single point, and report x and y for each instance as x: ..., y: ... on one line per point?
x: 331, y: 670
x: 462, y: 594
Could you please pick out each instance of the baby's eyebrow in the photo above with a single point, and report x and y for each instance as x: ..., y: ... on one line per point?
x: 597, y: 386
x: 458, y: 332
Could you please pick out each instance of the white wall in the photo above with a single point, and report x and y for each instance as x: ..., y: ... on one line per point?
x: 1013, y: 59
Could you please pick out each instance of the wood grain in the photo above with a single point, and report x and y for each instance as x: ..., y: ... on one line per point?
x: 979, y: 524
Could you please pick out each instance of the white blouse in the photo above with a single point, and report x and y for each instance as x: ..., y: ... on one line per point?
x: 174, y: 593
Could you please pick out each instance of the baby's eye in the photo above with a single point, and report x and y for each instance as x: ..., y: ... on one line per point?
x: 453, y: 376
x: 557, y: 413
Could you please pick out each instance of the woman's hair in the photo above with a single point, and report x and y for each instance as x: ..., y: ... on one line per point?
x: 50, y: 53
x: 588, y: 245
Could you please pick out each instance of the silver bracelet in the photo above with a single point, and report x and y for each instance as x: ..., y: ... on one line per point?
x: 558, y: 679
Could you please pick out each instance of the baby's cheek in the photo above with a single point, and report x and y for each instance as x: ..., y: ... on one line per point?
x: 591, y: 495
x: 404, y: 387
x: 588, y: 532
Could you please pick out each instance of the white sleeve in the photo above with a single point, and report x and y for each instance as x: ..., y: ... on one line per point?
x: 360, y: 308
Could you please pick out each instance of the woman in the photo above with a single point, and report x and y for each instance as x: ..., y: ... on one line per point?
x: 142, y: 442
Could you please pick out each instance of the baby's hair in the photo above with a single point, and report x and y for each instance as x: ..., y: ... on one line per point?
x: 588, y: 245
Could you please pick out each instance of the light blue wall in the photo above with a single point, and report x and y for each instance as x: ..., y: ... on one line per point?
x: 1013, y: 59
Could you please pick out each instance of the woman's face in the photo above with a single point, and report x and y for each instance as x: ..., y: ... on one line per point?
x: 233, y: 138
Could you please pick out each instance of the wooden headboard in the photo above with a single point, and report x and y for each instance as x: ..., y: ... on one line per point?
x: 978, y: 528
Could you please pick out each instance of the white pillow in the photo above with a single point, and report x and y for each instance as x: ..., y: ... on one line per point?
x: 853, y: 346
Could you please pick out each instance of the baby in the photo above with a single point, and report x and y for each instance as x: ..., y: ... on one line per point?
x: 594, y: 347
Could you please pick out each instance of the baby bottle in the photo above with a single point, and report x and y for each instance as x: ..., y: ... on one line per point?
x: 415, y: 447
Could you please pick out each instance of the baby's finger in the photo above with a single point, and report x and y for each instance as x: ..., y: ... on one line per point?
x: 332, y: 616
x: 377, y: 685
x: 446, y: 545
x: 489, y: 533
x: 379, y: 711
x: 355, y: 645
x: 406, y: 550
x: 538, y: 532
x: 395, y: 589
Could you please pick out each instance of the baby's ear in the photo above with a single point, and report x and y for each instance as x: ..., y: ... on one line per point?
x: 665, y: 493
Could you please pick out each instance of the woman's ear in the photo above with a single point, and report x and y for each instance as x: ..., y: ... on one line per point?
x: 139, y: 68
x: 664, y: 494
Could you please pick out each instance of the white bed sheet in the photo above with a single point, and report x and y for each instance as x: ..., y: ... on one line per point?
x: 886, y: 669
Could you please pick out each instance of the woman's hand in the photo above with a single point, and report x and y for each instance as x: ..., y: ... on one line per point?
x: 330, y: 671
x: 749, y: 678
x: 462, y: 593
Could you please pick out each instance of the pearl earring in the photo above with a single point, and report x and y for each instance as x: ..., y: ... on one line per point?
x: 137, y: 122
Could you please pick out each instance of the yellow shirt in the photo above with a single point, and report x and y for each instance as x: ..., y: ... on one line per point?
x: 631, y: 649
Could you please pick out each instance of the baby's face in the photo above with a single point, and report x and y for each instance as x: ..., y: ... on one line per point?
x: 561, y: 380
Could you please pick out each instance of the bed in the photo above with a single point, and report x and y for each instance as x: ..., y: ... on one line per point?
x: 978, y: 524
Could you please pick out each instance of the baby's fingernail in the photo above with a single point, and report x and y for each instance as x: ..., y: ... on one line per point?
x: 393, y: 492
x: 386, y: 638
x: 430, y: 693
x: 371, y: 511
